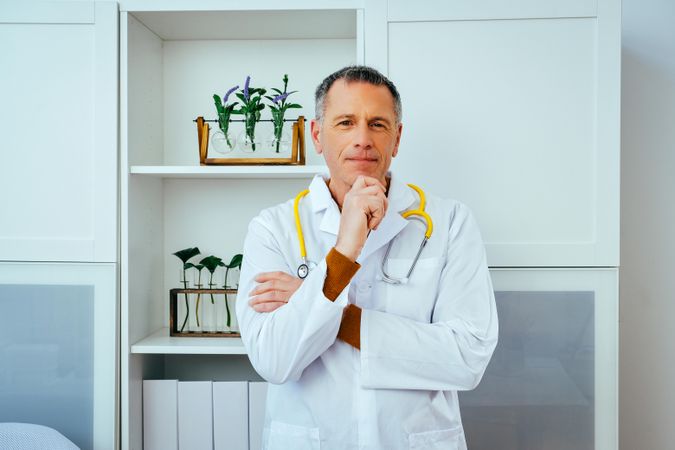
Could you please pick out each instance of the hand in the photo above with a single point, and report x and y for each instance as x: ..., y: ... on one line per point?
x: 274, y: 290
x: 363, y: 208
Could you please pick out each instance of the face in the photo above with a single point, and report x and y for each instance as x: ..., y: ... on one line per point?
x: 359, y: 134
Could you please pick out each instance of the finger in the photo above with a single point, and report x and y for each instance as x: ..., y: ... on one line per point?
x: 291, y: 284
x: 377, y: 211
x: 375, y: 189
x: 370, y: 181
x: 266, y: 276
x: 272, y: 296
x: 268, y: 306
x: 264, y: 287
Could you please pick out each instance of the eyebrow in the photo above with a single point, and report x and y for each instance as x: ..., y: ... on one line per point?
x: 372, y: 119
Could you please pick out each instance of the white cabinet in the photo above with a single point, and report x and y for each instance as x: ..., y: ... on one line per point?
x: 58, y: 349
x: 173, y: 57
x: 552, y: 382
x: 58, y: 124
x: 513, y: 108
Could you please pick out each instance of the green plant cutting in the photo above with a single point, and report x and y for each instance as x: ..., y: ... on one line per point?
x: 184, y: 255
x: 234, y: 263
x: 199, y: 268
x: 251, y: 107
x: 278, y: 107
x: 225, y: 110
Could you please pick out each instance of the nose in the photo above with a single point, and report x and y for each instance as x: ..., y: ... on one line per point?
x: 362, y: 136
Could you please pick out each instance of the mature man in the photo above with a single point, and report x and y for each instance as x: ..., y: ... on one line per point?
x: 361, y: 354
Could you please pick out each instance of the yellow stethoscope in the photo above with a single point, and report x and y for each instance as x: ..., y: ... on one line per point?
x: 417, y: 214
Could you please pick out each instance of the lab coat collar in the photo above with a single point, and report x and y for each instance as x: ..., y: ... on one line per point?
x: 400, y: 198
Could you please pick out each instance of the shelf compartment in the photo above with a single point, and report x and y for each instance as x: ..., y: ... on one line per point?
x: 160, y: 342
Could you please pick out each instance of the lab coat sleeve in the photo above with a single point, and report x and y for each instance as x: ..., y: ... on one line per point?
x: 451, y: 352
x: 282, y: 343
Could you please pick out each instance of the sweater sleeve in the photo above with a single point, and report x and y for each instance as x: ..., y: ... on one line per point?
x: 340, y: 271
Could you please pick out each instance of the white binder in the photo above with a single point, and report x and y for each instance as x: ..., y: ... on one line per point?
x: 160, y: 414
x: 230, y: 415
x: 195, y: 415
x: 257, y: 397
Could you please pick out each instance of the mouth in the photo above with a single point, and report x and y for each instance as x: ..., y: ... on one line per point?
x: 362, y: 160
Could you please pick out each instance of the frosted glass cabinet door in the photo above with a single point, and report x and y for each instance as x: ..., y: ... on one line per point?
x: 512, y: 108
x: 57, y: 349
x: 552, y: 382
x: 58, y: 131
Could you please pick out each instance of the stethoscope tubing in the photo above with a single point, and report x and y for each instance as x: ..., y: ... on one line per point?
x: 416, y: 214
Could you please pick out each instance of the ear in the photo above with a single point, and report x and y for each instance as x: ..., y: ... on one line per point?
x: 398, y: 140
x: 315, y: 131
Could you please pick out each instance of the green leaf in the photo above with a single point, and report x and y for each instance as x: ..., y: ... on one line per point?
x: 212, y: 263
x: 218, y: 102
x: 277, y: 91
x: 241, y: 97
x: 236, y: 261
x: 187, y: 253
x: 260, y: 107
x: 293, y: 106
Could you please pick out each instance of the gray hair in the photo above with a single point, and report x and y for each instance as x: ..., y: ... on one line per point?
x: 362, y: 74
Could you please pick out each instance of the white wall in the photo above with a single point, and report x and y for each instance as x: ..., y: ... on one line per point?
x: 647, y: 286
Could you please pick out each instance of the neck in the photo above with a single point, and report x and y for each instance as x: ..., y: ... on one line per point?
x: 339, y: 190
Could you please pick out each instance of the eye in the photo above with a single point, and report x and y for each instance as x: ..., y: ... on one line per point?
x: 345, y: 123
x: 377, y: 125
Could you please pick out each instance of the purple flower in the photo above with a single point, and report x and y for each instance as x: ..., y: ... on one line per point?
x: 228, y: 94
x: 279, y: 98
x: 282, y: 97
x: 248, y: 79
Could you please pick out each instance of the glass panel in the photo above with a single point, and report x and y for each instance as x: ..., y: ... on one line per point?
x: 538, y: 390
x: 47, y: 354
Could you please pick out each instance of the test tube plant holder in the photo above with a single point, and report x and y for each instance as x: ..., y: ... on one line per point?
x: 175, y: 322
x: 297, y: 148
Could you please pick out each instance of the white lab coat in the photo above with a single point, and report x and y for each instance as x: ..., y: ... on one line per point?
x: 420, y: 342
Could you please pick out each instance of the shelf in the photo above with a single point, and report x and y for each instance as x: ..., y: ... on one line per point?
x: 228, y: 171
x: 161, y: 343
x: 208, y: 24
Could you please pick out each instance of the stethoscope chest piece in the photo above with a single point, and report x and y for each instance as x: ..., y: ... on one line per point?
x: 303, y: 270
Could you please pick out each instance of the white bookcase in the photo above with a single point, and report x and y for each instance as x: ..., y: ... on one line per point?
x: 173, y: 57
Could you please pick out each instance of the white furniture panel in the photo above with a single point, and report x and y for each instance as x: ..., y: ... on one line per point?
x: 257, y: 401
x: 59, y: 128
x: 58, y: 347
x: 403, y: 11
x: 160, y: 414
x: 517, y: 118
x: 230, y: 415
x: 195, y: 415
x: 552, y: 381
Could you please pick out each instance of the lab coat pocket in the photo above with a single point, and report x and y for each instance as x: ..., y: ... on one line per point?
x: 448, y: 439
x: 414, y: 299
x: 284, y: 436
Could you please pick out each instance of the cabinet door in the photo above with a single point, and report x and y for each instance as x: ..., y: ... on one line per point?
x: 58, y: 128
x: 552, y: 381
x: 512, y: 108
x: 58, y: 349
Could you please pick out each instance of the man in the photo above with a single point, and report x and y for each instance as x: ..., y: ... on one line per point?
x: 354, y: 361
